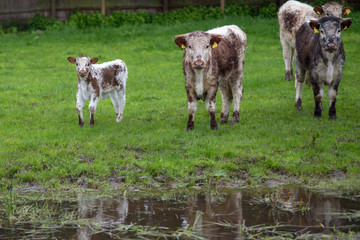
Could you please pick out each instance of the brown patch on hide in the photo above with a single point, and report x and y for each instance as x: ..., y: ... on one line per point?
x: 93, y: 81
x: 108, y: 76
x: 290, y: 19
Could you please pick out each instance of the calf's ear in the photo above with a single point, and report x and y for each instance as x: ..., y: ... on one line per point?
x: 94, y: 60
x: 215, y: 39
x: 181, y: 41
x: 345, y: 23
x: 318, y: 10
x: 314, y: 24
x: 72, y: 59
x: 346, y: 11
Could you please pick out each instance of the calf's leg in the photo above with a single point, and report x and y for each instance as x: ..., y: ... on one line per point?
x: 121, y: 100
x: 192, y: 107
x: 226, y: 97
x: 79, y: 109
x: 332, y: 93
x: 92, y: 108
x: 318, y: 94
x: 299, y: 82
x: 211, y: 108
x: 288, y: 54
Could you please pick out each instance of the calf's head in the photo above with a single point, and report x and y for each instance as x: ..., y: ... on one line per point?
x: 330, y: 29
x: 82, y: 64
x: 332, y: 9
x: 198, y: 46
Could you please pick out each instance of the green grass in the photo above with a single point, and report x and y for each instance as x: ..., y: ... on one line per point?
x: 41, y: 143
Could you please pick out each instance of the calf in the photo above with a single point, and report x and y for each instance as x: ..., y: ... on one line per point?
x: 291, y: 16
x: 99, y: 80
x: 213, y: 59
x: 320, y: 51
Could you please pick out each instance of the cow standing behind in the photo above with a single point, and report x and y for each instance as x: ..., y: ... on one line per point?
x: 320, y: 51
x: 292, y: 15
x: 213, y: 59
x: 99, y: 80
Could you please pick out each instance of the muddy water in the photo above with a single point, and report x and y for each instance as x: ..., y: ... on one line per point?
x: 231, y: 214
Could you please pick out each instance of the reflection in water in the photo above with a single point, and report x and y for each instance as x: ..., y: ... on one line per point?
x: 218, y: 215
x: 234, y: 214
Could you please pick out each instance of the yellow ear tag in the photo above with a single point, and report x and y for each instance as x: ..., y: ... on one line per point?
x: 316, y: 30
x: 318, y: 12
x: 348, y: 11
x: 345, y: 28
x: 214, y: 45
x: 182, y: 46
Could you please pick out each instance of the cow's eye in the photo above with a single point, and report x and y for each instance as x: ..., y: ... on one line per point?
x: 322, y: 31
x: 207, y: 46
x: 189, y: 47
x: 327, y: 14
x: 77, y: 64
x: 339, y: 30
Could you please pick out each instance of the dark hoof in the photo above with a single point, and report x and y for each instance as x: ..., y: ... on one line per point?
x: 190, y: 126
x: 235, y: 120
x: 317, y: 115
x: 81, y: 124
x: 288, y: 75
x: 91, y: 125
x: 223, y: 120
x: 214, y: 127
x: 333, y: 117
x: 298, y: 104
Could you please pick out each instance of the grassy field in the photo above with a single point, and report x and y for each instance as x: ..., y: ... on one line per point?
x: 41, y: 143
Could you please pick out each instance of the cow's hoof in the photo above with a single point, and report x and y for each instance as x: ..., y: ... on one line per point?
x: 223, y: 120
x: 190, y: 126
x: 235, y: 120
x: 332, y: 117
x: 214, y: 127
x: 288, y: 75
x: 298, y: 104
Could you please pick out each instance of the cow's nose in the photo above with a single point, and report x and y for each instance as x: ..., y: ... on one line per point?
x: 82, y: 73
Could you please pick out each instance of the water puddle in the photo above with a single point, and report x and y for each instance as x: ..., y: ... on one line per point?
x: 225, y: 214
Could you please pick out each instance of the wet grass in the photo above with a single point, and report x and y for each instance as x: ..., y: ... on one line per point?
x: 42, y: 145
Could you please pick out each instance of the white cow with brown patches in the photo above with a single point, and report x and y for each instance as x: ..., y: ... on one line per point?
x: 292, y: 15
x: 99, y: 80
x: 213, y: 60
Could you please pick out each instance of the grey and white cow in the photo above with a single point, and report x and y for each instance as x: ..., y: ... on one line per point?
x: 99, y: 80
x: 320, y: 51
x: 213, y: 60
x: 292, y: 15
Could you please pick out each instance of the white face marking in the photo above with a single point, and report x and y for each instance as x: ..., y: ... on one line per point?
x: 82, y: 66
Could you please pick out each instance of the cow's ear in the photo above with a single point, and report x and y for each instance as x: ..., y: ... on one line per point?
x: 94, y: 60
x: 215, y: 39
x: 72, y: 59
x: 318, y: 10
x: 314, y: 24
x: 181, y: 41
x: 345, y: 24
x: 346, y: 11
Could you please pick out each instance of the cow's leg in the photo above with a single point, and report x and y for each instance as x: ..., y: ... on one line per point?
x: 299, y: 83
x: 80, y: 102
x: 192, y: 107
x: 332, y: 93
x: 226, y: 97
x: 92, y: 108
x: 318, y: 94
x: 114, y: 99
x: 121, y: 100
x: 288, y: 53
x: 236, y: 89
x: 211, y: 107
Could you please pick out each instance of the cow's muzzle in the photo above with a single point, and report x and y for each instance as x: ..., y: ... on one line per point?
x: 82, y: 73
x: 198, y: 64
x: 331, y: 46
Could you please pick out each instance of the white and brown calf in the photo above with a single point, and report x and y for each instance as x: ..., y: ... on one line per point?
x: 292, y: 15
x: 213, y: 60
x: 320, y: 51
x: 99, y: 80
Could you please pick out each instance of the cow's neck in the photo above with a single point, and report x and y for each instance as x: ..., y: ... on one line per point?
x: 330, y: 58
x: 199, y: 82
